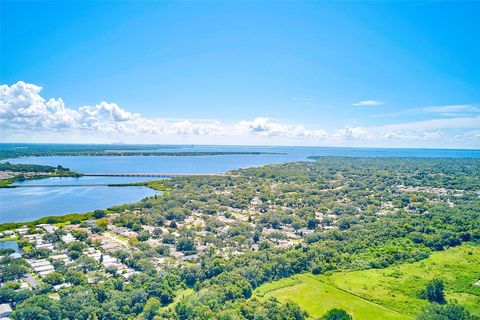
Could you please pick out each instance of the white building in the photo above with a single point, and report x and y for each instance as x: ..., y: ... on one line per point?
x: 68, y: 238
x: 5, y: 310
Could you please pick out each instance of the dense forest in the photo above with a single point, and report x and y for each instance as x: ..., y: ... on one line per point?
x: 237, y: 232
x: 11, y: 172
x: 7, y: 166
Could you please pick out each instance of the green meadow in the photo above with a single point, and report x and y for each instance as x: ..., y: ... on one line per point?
x: 387, y: 294
x: 397, y: 287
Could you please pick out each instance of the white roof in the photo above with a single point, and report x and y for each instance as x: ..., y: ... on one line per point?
x: 59, y: 256
x: 44, y: 268
x: 44, y: 273
x: 39, y: 263
x: 4, y: 308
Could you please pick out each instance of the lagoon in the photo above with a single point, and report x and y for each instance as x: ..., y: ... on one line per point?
x: 54, y: 198
x: 10, y: 244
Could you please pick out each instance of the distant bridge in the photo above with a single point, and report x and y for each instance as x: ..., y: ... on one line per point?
x: 156, y: 175
x: 61, y: 185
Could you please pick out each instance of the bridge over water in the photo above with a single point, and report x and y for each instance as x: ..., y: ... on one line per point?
x: 156, y: 174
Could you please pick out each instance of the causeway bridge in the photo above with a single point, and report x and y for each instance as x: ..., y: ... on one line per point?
x: 113, y: 184
x: 156, y: 174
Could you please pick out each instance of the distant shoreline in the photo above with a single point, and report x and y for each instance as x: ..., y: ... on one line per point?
x: 6, y: 155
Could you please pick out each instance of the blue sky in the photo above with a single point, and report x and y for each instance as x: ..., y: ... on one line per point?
x: 306, y: 73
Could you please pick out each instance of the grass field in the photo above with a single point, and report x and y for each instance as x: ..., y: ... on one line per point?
x: 386, y: 294
x: 316, y: 298
x: 397, y: 287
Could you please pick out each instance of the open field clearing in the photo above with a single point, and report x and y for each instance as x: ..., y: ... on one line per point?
x: 316, y: 298
x: 390, y: 293
x: 397, y: 287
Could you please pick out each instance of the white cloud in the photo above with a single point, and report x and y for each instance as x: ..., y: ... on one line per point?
x: 23, y: 108
x: 412, y: 135
x: 376, y: 134
x: 353, y: 133
x: 368, y: 103
x: 263, y: 126
x: 25, y: 115
x: 457, y: 110
x: 453, y: 109
x: 459, y: 122
x: 471, y: 135
x: 202, y: 128
x: 303, y: 100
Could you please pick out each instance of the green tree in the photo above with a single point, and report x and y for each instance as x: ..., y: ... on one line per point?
x: 434, y: 291
x: 87, y: 264
x: 151, y: 307
x: 445, y: 312
x: 102, y: 223
x: 186, y: 245
x: 54, y: 278
x: 336, y: 314
x: 80, y: 235
x: 75, y: 277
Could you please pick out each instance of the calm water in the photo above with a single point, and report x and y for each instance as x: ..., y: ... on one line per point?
x: 25, y: 204
x: 30, y: 203
x: 224, y: 163
x: 10, y: 245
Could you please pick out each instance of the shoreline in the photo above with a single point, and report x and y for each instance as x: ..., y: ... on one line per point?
x: 157, y: 185
x: 134, y: 153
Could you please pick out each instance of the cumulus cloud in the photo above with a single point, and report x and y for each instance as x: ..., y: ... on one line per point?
x: 352, y: 133
x: 23, y: 108
x: 202, y: 128
x: 412, y: 135
x: 26, y: 115
x: 368, y: 103
x: 386, y: 134
x: 264, y: 126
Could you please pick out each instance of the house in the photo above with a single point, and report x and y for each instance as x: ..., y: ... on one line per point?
x: 23, y: 230
x: 110, y: 246
x: 93, y: 253
x: 47, y: 246
x: 62, y: 257
x: 41, y: 266
x: 190, y: 257
x: 62, y: 285
x: 289, y: 229
x: 15, y: 255
x: 329, y: 228
x: 34, y: 237
x: 91, y: 223
x: 47, y: 227
x: 68, y: 238
x: 5, y: 310
x: 126, y: 273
